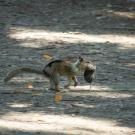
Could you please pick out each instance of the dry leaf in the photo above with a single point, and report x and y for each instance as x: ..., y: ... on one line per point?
x: 47, y: 56
x: 58, y: 97
x: 29, y: 85
x: 17, y: 91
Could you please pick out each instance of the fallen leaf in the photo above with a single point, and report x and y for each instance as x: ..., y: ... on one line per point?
x: 47, y: 56
x: 29, y: 85
x: 17, y: 91
x: 58, y: 97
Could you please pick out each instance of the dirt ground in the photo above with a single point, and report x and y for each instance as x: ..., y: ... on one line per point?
x: 33, y: 31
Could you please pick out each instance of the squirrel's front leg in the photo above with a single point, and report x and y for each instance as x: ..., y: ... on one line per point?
x: 70, y: 79
x: 75, y: 81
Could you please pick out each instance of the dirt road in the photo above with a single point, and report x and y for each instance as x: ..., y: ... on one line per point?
x: 102, y: 32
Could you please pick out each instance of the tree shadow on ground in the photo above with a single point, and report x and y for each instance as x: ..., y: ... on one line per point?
x: 16, y: 132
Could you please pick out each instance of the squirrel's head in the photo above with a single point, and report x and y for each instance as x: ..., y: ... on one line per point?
x: 85, y: 64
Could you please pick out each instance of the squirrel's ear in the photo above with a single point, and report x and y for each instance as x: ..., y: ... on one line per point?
x: 81, y: 59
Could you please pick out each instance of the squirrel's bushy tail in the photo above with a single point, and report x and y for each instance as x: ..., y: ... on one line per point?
x: 19, y: 70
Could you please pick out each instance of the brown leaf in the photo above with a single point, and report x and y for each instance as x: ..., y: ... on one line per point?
x: 17, y: 91
x: 29, y: 85
x: 58, y: 97
x: 47, y: 56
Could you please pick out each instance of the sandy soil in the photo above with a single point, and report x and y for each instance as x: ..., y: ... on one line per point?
x: 102, y: 32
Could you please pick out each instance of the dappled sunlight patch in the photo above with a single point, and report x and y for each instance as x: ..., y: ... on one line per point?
x: 131, y: 64
x: 59, y: 123
x: 25, y: 79
x: 113, y: 13
x: 100, y: 91
x: 28, y: 34
x: 31, y: 44
x: 113, y: 95
x: 19, y: 105
x: 90, y: 88
x: 126, y: 46
x: 81, y: 105
x: 130, y: 15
